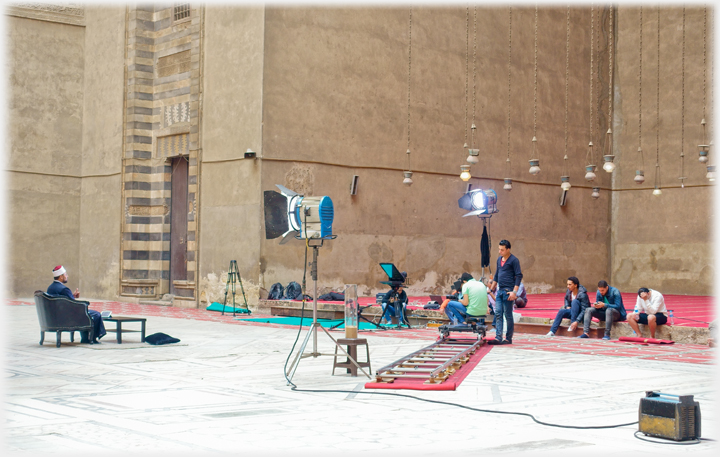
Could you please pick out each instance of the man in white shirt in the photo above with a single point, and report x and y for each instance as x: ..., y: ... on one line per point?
x: 649, y: 310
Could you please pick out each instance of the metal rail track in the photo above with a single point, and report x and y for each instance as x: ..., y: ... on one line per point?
x: 434, y: 363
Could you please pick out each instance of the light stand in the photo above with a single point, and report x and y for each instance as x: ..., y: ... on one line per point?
x: 313, y: 331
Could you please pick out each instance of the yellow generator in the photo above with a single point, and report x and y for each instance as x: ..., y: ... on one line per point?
x: 675, y: 417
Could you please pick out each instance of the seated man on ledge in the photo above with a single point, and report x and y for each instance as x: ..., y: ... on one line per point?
x: 649, y: 310
x: 396, y: 296
x: 576, y: 302
x: 608, y: 307
x: 58, y: 288
x: 473, y: 302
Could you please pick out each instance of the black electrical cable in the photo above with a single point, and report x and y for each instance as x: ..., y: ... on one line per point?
x: 681, y: 443
x: 582, y: 427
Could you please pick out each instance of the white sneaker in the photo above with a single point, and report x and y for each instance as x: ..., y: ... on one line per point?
x: 550, y: 334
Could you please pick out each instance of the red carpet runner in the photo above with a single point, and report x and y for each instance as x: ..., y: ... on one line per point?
x: 450, y: 383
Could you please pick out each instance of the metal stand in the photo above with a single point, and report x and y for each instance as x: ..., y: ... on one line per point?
x: 232, y: 278
x: 313, y: 331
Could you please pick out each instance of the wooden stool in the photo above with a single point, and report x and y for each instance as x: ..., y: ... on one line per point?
x: 352, y: 345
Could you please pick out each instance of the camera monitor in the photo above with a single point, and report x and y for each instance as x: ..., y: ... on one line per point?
x: 395, y: 278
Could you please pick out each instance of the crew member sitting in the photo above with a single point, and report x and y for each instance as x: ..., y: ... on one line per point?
x: 473, y: 302
x: 454, y: 295
x: 576, y: 302
x: 649, y: 310
x: 396, y: 296
x: 608, y: 307
x: 58, y: 288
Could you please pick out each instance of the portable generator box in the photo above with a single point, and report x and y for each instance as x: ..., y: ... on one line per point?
x: 674, y: 417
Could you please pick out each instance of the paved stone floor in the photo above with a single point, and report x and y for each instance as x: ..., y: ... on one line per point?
x: 221, y: 389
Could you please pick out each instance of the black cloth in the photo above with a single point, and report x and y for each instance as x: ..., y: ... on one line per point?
x: 332, y: 296
x: 485, y: 249
x: 509, y: 275
x: 582, y: 298
x: 431, y: 306
x: 59, y: 289
x: 157, y: 339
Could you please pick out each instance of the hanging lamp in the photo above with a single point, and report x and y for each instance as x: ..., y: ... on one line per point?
x: 710, y: 173
x: 565, y: 179
x: 609, y: 158
x: 595, y: 192
x: 407, y: 180
x: 590, y: 156
x: 640, y: 174
x: 535, y: 161
x: 508, y: 181
x: 657, y: 190
x: 465, y: 172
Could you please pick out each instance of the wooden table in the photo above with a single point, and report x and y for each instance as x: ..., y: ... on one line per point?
x: 119, y: 320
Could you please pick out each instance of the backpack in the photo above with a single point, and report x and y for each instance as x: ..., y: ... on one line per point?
x: 276, y: 292
x: 293, y: 291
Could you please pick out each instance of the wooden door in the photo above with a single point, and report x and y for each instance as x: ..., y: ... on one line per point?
x: 178, y: 221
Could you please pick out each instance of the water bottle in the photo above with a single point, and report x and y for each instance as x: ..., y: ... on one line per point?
x: 637, y: 309
x: 672, y: 318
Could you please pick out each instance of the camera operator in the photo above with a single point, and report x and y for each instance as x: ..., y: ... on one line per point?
x: 473, y: 301
x: 396, y: 296
x: 454, y: 295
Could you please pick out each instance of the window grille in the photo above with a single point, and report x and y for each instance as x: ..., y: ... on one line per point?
x: 181, y: 11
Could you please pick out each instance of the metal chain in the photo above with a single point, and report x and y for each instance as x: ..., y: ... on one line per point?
x: 408, y: 85
x: 567, y: 66
x: 711, y: 124
x: 642, y: 157
x: 611, y: 39
x: 509, y: 60
x: 467, y: 67
x: 596, y: 125
x: 535, y: 89
x: 657, y: 112
x: 588, y: 159
x: 704, y: 56
x: 682, y: 109
x: 472, y: 130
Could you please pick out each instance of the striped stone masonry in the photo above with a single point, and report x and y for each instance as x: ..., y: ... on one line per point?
x: 161, y: 123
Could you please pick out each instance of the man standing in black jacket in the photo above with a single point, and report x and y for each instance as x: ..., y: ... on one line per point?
x: 576, y: 302
x: 507, y: 277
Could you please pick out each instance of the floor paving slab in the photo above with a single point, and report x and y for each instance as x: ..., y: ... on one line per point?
x: 222, y: 390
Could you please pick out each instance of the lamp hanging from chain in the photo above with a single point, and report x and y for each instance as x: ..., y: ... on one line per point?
x: 565, y: 179
x: 534, y: 160
x: 609, y: 158
x: 657, y: 190
x: 640, y: 174
x: 465, y: 172
x: 508, y: 181
x: 595, y: 192
x: 589, y: 157
x: 473, y: 152
x: 408, y: 174
x: 704, y: 148
x: 682, y: 177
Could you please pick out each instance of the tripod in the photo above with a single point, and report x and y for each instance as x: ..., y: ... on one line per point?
x: 313, y: 331
x: 232, y: 278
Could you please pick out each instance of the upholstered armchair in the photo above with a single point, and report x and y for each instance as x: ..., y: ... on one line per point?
x: 61, y: 314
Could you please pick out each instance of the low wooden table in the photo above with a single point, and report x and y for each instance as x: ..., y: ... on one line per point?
x: 119, y: 320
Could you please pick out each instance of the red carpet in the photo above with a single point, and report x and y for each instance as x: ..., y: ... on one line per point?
x: 450, y: 383
x: 636, y: 339
x: 688, y: 310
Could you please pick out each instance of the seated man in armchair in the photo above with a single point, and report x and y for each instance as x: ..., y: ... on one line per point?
x: 58, y: 288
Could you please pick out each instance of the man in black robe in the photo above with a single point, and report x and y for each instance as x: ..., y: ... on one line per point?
x: 58, y: 288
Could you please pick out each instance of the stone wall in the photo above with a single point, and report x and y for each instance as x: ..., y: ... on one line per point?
x: 45, y: 115
x: 662, y: 242
x: 335, y: 105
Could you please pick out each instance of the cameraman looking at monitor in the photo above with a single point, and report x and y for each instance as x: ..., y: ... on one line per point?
x: 396, y: 296
x: 474, y: 300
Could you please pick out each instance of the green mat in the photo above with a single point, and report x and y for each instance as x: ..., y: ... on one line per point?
x: 215, y: 306
x: 327, y: 323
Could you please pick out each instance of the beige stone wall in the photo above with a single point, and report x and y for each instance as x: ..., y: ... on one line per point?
x: 662, y: 242
x: 100, y: 210
x: 45, y: 115
x: 335, y: 93
x: 230, y: 197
